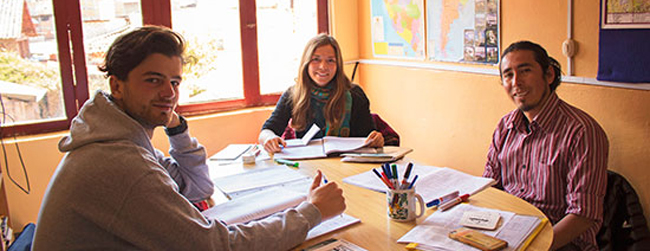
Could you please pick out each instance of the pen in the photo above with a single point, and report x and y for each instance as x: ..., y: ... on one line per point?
x: 442, y: 199
x: 388, y: 182
x: 413, y: 182
x: 380, y: 177
x: 407, y: 173
x: 408, y: 170
x: 454, y: 202
x: 287, y: 162
x: 395, y: 176
x: 386, y: 168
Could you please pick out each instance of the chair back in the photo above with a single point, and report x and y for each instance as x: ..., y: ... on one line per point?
x: 391, y: 138
x: 624, y: 225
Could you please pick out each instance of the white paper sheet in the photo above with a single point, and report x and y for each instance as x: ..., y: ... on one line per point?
x: 258, y: 178
x: 433, y: 232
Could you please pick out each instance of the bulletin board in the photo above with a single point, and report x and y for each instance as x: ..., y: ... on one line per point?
x: 624, y: 53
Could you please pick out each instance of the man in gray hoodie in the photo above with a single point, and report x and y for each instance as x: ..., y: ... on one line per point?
x: 114, y: 191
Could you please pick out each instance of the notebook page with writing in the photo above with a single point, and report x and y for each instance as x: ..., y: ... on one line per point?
x: 332, y: 224
x: 370, y: 181
x: 518, y: 229
x: 312, y: 150
x: 446, y: 180
x: 433, y: 231
x: 257, y: 178
x: 255, y: 206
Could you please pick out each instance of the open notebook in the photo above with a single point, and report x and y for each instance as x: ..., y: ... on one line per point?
x: 267, y: 202
x: 320, y: 148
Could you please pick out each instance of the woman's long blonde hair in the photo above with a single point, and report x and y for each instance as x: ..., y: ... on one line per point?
x: 335, y: 106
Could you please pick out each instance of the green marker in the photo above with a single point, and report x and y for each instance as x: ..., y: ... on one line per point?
x: 287, y: 162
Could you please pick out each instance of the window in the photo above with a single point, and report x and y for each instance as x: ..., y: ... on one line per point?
x: 241, y: 52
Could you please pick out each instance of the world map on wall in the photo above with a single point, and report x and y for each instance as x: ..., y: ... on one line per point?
x: 463, y: 30
x: 398, y: 28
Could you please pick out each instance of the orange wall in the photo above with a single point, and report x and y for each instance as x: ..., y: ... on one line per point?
x: 41, y: 156
x: 448, y: 117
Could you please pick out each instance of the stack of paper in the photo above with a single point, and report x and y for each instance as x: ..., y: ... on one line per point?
x: 388, y: 154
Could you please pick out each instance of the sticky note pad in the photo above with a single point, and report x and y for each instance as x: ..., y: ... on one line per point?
x: 480, y: 219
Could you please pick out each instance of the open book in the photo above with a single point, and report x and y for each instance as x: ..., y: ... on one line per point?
x: 264, y: 203
x: 320, y: 148
x: 255, y: 206
x: 433, y: 182
x: 389, y: 154
x: 305, y: 139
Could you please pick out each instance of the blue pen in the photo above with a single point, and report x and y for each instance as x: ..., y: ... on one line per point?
x: 413, y: 182
x: 442, y: 199
x: 388, y: 172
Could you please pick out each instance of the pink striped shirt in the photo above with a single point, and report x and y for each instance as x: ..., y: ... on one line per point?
x: 559, y: 164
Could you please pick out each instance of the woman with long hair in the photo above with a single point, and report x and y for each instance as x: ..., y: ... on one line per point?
x: 323, y: 95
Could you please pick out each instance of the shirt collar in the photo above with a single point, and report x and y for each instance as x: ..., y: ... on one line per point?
x: 543, y: 118
x: 549, y: 111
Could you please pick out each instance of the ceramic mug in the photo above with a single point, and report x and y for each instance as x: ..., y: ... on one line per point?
x: 401, y: 204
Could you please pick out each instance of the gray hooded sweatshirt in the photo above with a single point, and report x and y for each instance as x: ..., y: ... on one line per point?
x: 114, y: 191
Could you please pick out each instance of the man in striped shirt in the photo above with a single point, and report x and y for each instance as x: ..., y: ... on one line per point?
x: 548, y: 152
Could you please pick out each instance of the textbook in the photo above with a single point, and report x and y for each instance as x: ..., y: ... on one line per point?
x: 389, y: 154
x: 264, y: 203
x: 255, y: 206
x: 321, y: 148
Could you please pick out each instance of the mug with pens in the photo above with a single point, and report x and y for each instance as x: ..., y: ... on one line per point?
x: 400, y: 195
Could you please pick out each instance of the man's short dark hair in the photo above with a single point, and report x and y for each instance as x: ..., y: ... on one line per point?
x: 130, y: 49
x: 541, y: 57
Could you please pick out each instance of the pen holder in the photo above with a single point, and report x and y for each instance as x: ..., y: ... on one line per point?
x: 401, y: 204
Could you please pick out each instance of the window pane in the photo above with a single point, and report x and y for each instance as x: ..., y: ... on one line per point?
x: 213, y: 71
x: 30, y: 79
x: 283, y: 29
x: 102, y: 22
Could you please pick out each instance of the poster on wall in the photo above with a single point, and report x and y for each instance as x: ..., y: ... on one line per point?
x: 397, y: 28
x: 463, y: 31
x: 625, y: 14
x: 623, y: 51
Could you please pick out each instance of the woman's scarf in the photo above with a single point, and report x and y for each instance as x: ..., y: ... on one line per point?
x: 320, y: 96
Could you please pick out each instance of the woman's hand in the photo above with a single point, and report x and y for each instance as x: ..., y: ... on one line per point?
x: 375, y: 139
x: 272, y: 143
